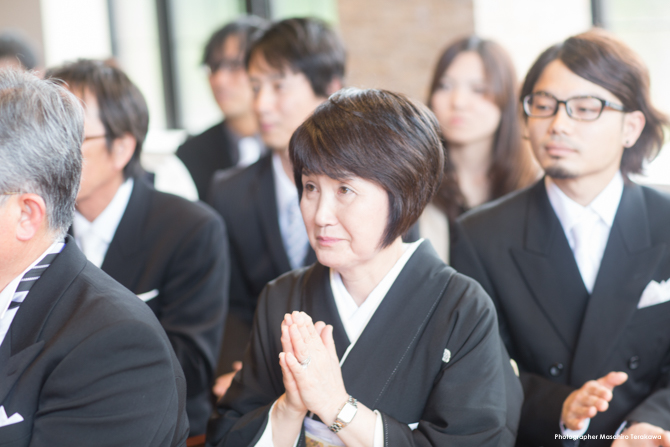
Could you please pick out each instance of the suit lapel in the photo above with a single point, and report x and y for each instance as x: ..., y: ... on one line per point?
x: 127, y: 241
x: 265, y: 201
x: 23, y: 343
x: 549, y: 268
x: 628, y: 264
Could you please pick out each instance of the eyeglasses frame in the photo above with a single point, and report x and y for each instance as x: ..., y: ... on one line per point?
x: 604, y: 103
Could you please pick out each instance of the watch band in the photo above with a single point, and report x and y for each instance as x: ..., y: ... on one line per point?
x: 339, y: 423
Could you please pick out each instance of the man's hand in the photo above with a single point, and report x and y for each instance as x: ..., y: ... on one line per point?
x: 639, y: 430
x: 223, y: 382
x: 593, y: 397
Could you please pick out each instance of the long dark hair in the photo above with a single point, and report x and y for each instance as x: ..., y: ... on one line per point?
x: 511, y: 165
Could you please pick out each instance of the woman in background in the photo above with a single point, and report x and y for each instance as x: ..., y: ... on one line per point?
x: 473, y: 95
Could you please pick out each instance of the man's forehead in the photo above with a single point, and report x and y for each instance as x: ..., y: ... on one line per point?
x: 259, y: 68
x: 560, y: 81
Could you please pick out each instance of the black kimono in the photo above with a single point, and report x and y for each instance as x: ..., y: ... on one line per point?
x: 468, y: 396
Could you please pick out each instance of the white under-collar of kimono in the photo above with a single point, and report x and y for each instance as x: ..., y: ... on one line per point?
x: 355, y: 318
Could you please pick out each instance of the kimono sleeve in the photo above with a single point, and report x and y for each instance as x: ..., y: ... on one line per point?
x: 476, y: 397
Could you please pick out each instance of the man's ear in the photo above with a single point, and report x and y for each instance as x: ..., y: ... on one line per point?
x: 32, y: 216
x: 334, y: 85
x: 123, y: 149
x: 633, y: 124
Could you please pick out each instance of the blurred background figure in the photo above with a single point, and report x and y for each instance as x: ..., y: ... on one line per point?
x: 170, y: 252
x: 473, y: 94
x: 293, y: 67
x: 235, y: 140
x: 15, y: 51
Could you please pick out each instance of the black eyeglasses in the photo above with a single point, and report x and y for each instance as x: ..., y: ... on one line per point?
x: 581, y: 108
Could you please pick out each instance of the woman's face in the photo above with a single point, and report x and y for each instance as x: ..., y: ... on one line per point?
x: 463, y: 103
x: 345, y: 220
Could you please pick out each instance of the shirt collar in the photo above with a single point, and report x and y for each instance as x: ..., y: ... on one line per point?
x: 8, y: 292
x: 355, y: 318
x: 105, y: 225
x: 286, y: 191
x: 569, y: 212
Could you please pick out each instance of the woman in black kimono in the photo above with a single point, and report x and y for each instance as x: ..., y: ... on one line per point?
x: 405, y: 351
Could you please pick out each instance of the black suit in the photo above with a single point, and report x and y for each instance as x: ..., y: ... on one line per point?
x: 208, y: 152
x: 247, y: 201
x: 560, y: 336
x: 178, y: 248
x: 86, y: 363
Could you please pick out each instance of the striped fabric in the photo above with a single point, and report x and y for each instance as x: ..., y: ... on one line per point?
x: 29, y: 279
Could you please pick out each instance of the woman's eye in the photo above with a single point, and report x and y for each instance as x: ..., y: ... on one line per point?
x: 309, y: 187
x: 345, y: 190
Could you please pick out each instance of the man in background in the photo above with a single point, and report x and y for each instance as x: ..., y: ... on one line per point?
x: 578, y: 264
x: 82, y: 360
x: 235, y: 140
x: 170, y: 252
x: 16, y: 52
x: 293, y: 67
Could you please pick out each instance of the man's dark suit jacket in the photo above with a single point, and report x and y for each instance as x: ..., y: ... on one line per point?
x: 178, y: 248
x: 248, y: 203
x: 85, y: 362
x: 206, y: 153
x: 559, y: 335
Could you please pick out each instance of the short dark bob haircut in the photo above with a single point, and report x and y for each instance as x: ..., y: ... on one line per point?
x: 303, y: 45
x: 122, y: 106
x: 379, y: 136
x: 599, y: 57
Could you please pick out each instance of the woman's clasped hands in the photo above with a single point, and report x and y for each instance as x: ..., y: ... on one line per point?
x: 311, y: 369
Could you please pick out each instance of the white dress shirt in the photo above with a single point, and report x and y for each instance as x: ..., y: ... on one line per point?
x: 354, y: 320
x: 598, y: 217
x: 294, y: 233
x: 8, y: 294
x: 250, y: 150
x: 93, y: 238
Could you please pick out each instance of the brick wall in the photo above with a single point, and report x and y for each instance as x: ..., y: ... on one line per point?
x: 394, y: 44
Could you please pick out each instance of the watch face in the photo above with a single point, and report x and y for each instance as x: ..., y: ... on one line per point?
x: 347, y: 413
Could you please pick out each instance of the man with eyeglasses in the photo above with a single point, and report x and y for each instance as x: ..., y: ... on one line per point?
x: 170, y: 252
x: 576, y: 264
x: 83, y: 361
x: 235, y: 140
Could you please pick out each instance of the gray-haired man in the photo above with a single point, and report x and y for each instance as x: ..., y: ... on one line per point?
x: 83, y: 361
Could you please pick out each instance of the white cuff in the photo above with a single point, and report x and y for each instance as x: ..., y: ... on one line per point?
x: 266, y: 438
x: 378, y: 440
x: 574, y: 434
